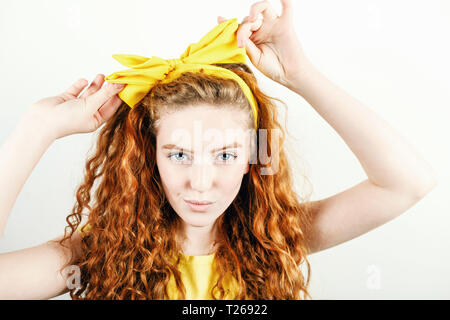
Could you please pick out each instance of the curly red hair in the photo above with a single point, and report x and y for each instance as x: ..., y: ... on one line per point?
x: 125, y: 254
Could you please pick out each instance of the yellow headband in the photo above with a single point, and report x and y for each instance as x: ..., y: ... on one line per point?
x: 218, y: 46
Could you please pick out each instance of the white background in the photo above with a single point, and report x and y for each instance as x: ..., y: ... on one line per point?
x: 391, y: 55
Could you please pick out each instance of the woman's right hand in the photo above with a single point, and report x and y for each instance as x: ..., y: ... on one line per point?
x: 68, y: 113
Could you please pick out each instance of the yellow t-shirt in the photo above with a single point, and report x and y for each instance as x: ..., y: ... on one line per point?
x: 198, y: 277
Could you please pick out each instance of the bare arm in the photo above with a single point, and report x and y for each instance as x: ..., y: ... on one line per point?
x: 387, y: 158
x: 19, y: 155
x: 34, y: 273
x: 398, y: 177
x: 31, y: 273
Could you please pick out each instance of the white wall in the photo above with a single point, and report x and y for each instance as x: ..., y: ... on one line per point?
x: 391, y: 55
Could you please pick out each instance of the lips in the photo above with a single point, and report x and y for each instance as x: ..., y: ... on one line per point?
x: 196, y: 207
x: 198, y: 202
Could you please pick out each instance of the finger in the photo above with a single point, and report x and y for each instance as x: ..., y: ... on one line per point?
x: 253, y: 52
x: 221, y: 19
x: 99, y: 98
x: 74, y: 90
x: 287, y: 9
x: 245, y: 20
x: 264, y: 8
x: 243, y: 34
x: 246, y: 29
x: 95, y: 85
x: 110, y: 107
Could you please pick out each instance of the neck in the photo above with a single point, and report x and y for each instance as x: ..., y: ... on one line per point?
x: 198, y: 240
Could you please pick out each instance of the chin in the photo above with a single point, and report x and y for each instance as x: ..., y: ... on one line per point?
x: 198, y: 219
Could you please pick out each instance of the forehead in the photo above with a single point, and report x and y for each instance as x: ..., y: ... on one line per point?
x: 203, y: 125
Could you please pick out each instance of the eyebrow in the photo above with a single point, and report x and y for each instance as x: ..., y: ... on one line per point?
x: 173, y: 146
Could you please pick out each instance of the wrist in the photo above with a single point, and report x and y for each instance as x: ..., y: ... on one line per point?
x: 39, y: 124
x: 301, y: 76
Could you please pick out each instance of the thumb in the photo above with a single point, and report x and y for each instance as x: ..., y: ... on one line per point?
x: 253, y: 52
x: 96, y: 100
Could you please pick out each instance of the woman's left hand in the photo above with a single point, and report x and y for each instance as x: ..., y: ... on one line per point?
x: 271, y: 42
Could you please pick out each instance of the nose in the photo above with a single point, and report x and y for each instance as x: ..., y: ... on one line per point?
x: 202, y: 176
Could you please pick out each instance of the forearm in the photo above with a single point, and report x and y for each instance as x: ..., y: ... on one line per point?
x: 19, y: 154
x: 387, y: 158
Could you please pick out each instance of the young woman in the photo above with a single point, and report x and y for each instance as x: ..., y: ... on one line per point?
x: 147, y: 235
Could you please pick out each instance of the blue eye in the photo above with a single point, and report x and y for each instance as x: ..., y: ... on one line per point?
x: 231, y: 156
x: 176, y: 153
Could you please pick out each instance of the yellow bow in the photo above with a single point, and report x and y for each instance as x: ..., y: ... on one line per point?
x: 218, y: 46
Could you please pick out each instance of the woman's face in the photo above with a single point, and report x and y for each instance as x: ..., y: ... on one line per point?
x: 193, y: 164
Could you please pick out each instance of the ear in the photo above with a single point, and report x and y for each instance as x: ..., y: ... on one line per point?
x: 247, y: 168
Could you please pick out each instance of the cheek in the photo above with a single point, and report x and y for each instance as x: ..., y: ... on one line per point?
x: 230, y: 182
x: 168, y: 178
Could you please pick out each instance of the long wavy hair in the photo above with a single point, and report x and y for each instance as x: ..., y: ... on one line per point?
x: 125, y: 254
